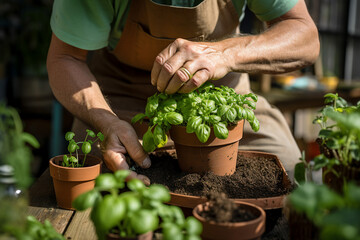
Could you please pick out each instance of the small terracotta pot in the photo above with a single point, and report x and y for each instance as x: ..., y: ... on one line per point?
x: 216, y: 155
x: 232, y: 231
x: 71, y: 182
x: 145, y: 236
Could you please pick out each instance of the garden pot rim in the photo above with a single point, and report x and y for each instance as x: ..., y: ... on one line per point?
x: 98, y: 161
x: 179, y: 135
x: 258, y: 219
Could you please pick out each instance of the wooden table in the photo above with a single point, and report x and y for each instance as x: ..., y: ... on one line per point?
x: 77, y: 225
x: 42, y: 204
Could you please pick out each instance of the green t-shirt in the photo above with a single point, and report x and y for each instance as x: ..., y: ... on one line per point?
x: 94, y: 24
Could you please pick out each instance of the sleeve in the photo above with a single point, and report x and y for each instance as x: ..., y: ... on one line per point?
x: 267, y: 10
x: 82, y: 23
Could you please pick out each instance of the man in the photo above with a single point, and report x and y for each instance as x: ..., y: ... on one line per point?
x: 141, y: 46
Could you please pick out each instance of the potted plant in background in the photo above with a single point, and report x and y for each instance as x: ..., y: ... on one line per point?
x: 327, y: 214
x: 205, y: 125
x: 339, y: 141
x: 15, y: 178
x: 74, y: 173
x: 222, y: 218
x: 134, y: 214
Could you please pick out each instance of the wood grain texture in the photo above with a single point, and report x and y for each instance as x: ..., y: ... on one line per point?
x: 42, y: 203
x: 81, y: 227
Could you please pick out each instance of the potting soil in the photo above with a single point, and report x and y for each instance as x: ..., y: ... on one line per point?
x: 255, y: 177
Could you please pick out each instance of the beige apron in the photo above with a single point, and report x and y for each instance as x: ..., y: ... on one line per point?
x: 124, y: 74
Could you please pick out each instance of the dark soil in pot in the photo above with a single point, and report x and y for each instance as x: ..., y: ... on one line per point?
x: 223, y: 210
x: 253, y: 178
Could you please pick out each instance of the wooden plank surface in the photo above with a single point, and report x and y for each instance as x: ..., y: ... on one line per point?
x: 42, y: 203
x: 81, y: 227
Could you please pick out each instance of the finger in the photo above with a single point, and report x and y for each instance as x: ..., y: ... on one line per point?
x: 160, y: 60
x: 141, y: 177
x: 199, y: 78
x: 179, y: 79
x: 115, y: 160
x: 133, y: 147
x: 168, y: 70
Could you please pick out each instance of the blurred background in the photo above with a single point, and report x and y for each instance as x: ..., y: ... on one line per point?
x: 25, y: 36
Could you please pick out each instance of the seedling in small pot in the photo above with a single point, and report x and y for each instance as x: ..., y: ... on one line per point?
x: 72, y: 160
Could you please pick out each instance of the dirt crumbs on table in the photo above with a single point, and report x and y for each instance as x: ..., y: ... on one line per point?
x: 255, y: 177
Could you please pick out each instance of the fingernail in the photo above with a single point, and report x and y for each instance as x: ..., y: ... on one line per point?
x: 146, y: 163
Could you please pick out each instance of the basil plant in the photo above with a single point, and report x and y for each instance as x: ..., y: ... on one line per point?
x: 206, y: 108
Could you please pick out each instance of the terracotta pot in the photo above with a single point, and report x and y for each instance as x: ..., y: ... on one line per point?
x: 268, y: 203
x: 71, y: 182
x: 232, y: 231
x: 145, y: 236
x: 216, y: 155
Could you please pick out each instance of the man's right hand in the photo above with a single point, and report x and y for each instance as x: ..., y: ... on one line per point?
x: 121, y: 139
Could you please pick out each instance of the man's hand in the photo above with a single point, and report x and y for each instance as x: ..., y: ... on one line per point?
x: 184, y: 66
x: 121, y: 139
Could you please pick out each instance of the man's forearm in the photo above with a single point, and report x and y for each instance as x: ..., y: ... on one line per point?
x: 76, y: 89
x: 290, y: 43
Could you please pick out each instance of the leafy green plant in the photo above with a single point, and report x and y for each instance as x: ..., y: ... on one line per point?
x: 138, y: 211
x: 336, y: 216
x: 340, y: 137
x: 14, y: 145
x: 205, y: 108
x: 36, y: 230
x: 73, y: 148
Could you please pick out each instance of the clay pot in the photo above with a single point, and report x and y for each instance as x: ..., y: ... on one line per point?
x: 232, y: 231
x: 145, y: 236
x: 71, y: 182
x: 216, y: 155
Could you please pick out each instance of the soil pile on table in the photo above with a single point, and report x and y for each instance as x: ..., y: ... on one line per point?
x: 255, y: 177
x: 222, y: 210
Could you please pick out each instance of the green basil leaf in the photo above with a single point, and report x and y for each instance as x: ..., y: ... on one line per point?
x: 209, y: 105
x: 193, y: 124
x: 251, y: 104
x: 220, y: 130
x: 214, y: 119
x: 174, y: 118
x: 223, y: 109
x: 255, y: 125
x: 138, y: 117
x: 203, y: 132
x: 69, y: 136
x: 152, y: 105
x: 250, y: 115
x: 160, y: 137
x: 148, y: 141
x: 169, y: 105
x: 231, y: 115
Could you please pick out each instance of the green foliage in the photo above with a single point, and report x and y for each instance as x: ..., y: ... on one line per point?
x: 206, y: 108
x: 36, y: 230
x: 336, y: 216
x: 73, y: 148
x: 342, y: 135
x: 14, y: 145
x: 140, y: 210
